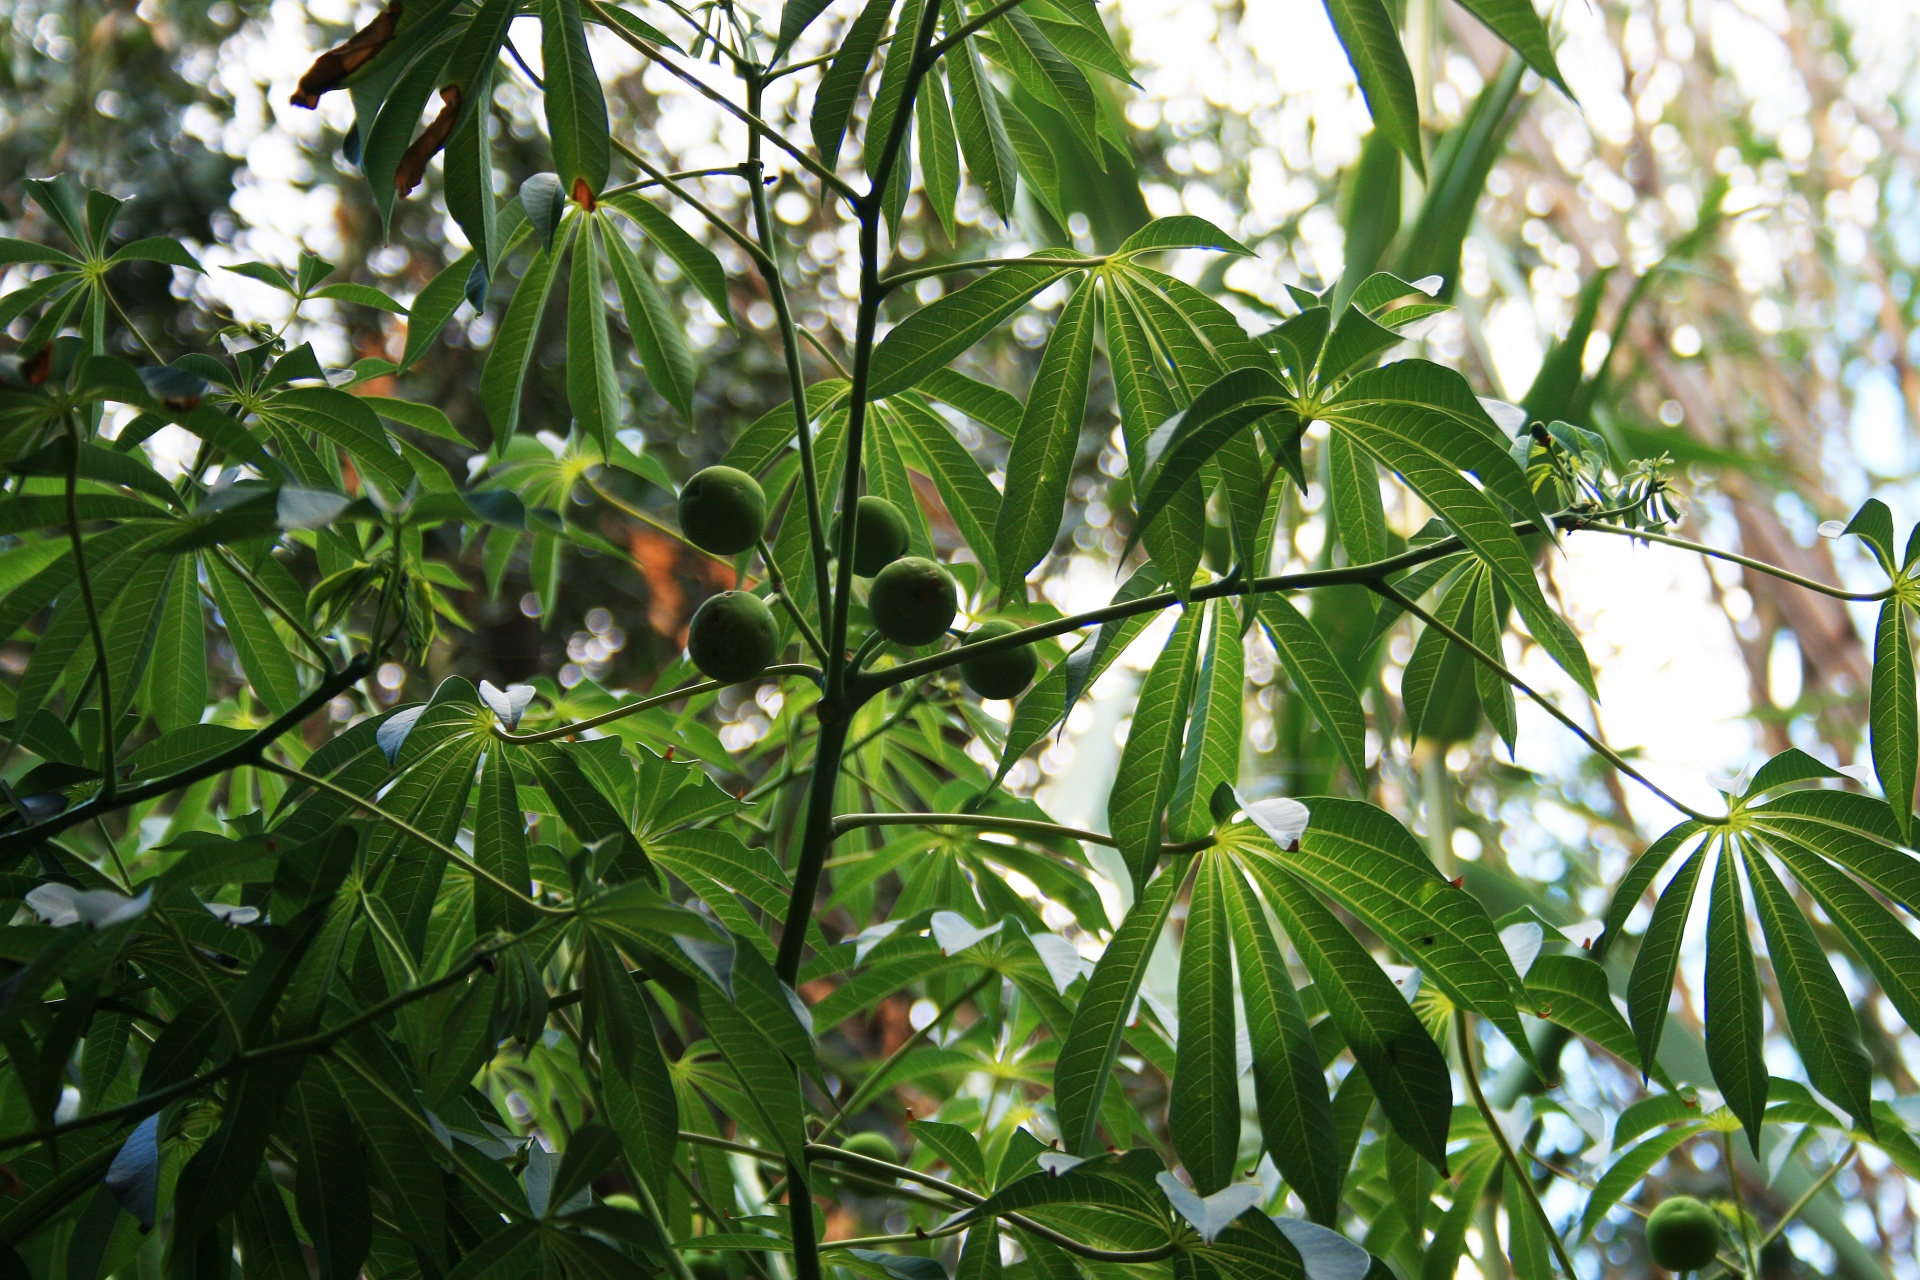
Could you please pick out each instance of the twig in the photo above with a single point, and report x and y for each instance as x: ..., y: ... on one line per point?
x: 1522, y: 1176
x: 644, y: 704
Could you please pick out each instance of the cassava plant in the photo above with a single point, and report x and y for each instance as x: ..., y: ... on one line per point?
x: 546, y: 980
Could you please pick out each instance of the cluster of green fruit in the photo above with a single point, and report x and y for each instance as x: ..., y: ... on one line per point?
x: 912, y: 600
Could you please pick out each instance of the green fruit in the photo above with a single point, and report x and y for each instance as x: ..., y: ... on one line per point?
x: 876, y: 1146
x: 912, y: 601
x: 723, y: 510
x: 706, y: 1264
x: 1682, y: 1234
x: 732, y: 637
x: 999, y: 675
x: 879, y: 538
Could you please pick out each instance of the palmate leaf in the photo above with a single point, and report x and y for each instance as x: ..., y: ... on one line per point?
x: 1203, y: 1114
x: 576, y: 107
x: 1290, y: 1090
x: 1405, y: 1067
x: 1044, y: 449
x: 1519, y: 24
x: 1365, y: 860
x: 840, y: 86
x: 1734, y: 1016
x: 1818, y: 1011
x: 1893, y: 714
x: 1459, y: 169
x: 1085, y: 1065
x: 1650, y: 986
x: 1150, y: 762
x: 660, y: 340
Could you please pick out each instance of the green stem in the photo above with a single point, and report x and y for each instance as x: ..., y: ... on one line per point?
x: 879, y: 1073
x: 753, y: 122
x: 1739, y: 1203
x: 1806, y: 1197
x: 1498, y: 668
x: 1462, y: 1021
x: 243, y: 753
x: 1016, y: 826
x: 816, y: 839
x: 108, y: 782
x: 1745, y: 562
x: 394, y: 820
x: 892, y: 282
x: 645, y: 704
x: 966, y: 29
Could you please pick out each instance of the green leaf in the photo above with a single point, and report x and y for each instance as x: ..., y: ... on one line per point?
x: 1203, y: 1112
x: 1818, y: 1011
x: 435, y: 306
x: 1519, y: 24
x: 360, y: 295
x: 164, y: 249
x: 983, y: 134
x: 1227, y: 407
x: 933, y: 336
x: 989, y: 406
x: 1370, y: 212
x: 1212, y: 756
x: 1150, y: 762
x: 400, y: 1159
x: 262, y: 653
x: 330, y: 1185
x: 1554, y: 389
x: 1488, y: 613
x: 1882, y: 941
x: 695, y: 260
x: 939, y: 146
x: 177, y: 684
x: 505, y: 375
x: 21, y: 251
x: 840, y: 86
x: 1458, y: 174
x: 1364, y: 859
x: 1893, y: 716
x: 1289, y: 1088
x: 1380, y: 65
x: 1042, y: 456
x: 1625, y: 1173
x: 1182, y: 231
x: 1441, y: 1256
x: 1406, y: 1068
x: 1650, y: 986
x: 661, y: 342
x: 1572, y: 990
x: 421, y: 417
x: 795, y: 17
x: 1735, y: 1013
x: 500, y: 846
x: 1085, y: 1065
x: 1353, y: 494
x: 348, y: 422
x: 576, y: 108
x: 1046, y: 73
x: 971, y: 501
x: 1317, y: 676
x: 593, y: 389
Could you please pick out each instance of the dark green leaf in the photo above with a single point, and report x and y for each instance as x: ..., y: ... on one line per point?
x: 1042, y: 456
x: 1150, y: 762
x: 1650, y: 987
x: 1892, y: 713
x: 1735, y: 1014
x: 1380, y: 65
x: 933, y: 336
x: 576, y: 108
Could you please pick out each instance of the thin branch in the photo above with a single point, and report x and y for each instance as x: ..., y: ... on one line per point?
x: 827, y: 176
x: 779, y: 582
x: 147, y: 1104
x: 108, y: 730
x: 1546, y: 704
x: 879, y: 1073
x: 1806, y: 1197
x: 664, y: 179
x: 439, y: 846
x: 1521, y: 1175
x: 1745, y: 562
x: 644, y: 704
x: 939, y: 49
x: 241, y: 753
x: 654, y: 522
x: 724, y: 171
x: 889, y: 283
x: 1015, y: 826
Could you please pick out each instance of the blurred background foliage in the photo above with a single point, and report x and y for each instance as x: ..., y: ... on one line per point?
x: 1725, y: 223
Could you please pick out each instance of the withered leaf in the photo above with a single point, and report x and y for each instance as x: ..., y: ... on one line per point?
x: 336, y: 64
x: 413, y: 165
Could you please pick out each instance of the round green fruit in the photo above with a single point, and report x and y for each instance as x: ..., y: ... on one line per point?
x: 879, y: 538
x: 999, y: 675
x: 875, y: 1146
x: 723, y: 510
x: 732, y: 637
x: 912, y: 601
x: 706, y: 1264
x: 1682, y: 1234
